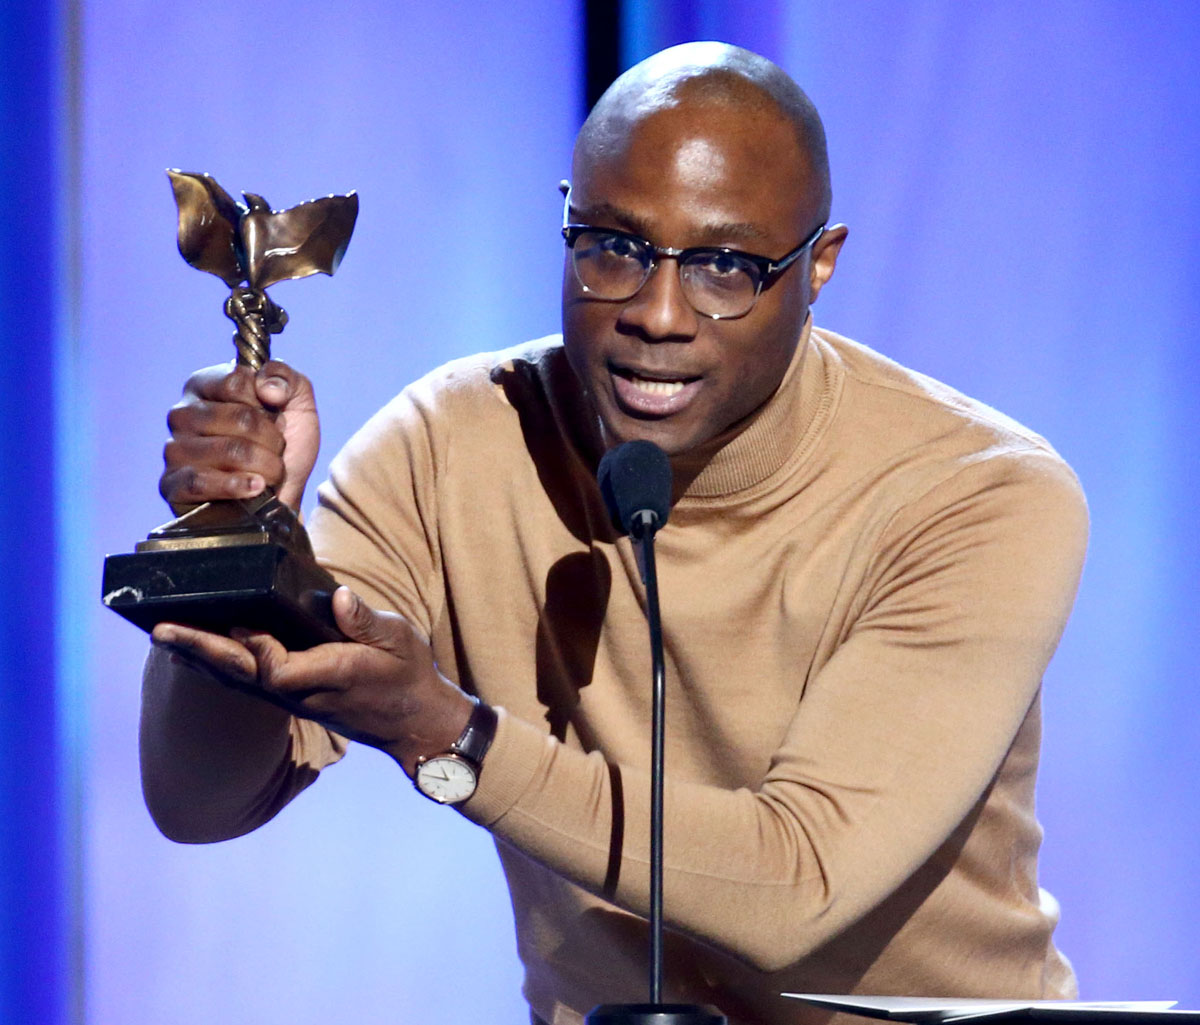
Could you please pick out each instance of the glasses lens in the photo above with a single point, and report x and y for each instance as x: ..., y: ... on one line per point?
x: 719, y: 284
x: 609, y: 265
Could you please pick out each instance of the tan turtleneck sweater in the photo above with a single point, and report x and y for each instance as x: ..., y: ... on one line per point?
x: 860, y: 594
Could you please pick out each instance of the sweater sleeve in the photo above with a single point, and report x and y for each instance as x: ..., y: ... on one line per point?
x: 896, y: 740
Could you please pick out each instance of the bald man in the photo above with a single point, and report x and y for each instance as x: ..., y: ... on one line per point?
x: 864, y: 575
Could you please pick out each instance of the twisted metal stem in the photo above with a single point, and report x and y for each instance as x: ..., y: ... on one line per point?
x: 257, y: 318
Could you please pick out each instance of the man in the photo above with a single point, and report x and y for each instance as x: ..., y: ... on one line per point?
x: 865, y: 574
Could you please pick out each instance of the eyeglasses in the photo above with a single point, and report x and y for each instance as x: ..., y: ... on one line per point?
x: 718, y: 282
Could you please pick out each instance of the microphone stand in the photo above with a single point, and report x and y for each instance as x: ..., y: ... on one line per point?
x: 644, y: 524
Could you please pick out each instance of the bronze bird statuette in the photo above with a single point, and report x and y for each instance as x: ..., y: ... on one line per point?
x: 249, y: 246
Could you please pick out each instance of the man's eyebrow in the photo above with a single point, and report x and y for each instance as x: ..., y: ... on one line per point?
x: 613, y: 214
x: 735, y: 231
x: 721, y: 233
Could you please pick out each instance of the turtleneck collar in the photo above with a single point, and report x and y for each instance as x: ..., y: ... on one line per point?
x: 779, y: 431
x: 759, y: 446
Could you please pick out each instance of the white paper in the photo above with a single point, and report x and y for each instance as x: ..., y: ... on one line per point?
x: 944, y: 1009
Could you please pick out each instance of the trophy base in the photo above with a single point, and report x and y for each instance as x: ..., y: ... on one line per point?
x: 261, y: 585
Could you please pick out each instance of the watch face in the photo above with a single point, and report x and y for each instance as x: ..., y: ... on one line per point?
x: 446, y: 779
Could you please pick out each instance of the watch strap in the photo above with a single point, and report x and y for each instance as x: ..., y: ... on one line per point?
x: 478, y: 734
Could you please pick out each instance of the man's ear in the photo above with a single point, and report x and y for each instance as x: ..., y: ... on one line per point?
x: 824, y: 258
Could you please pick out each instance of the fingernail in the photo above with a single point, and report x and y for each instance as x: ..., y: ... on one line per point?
x: 252, y: 484
x: 165, y: 634
x: 275, y: 384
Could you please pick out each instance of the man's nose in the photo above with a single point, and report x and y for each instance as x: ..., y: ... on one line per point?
x: 660, y: 311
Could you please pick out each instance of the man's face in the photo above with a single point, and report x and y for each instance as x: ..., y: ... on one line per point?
x: 692, y: 175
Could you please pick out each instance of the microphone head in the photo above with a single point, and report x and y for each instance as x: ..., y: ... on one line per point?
x: 635, y: 477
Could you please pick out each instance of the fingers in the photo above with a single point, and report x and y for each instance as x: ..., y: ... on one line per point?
x: 253, y: 663
x: 229, y: 436
x: 310, y: 684
x: 198, y: 467
x: 248, y: 659
x: 275, y: 386
x: 381, y: 688
x: 270, y: 660
x: 219, y: 403
x: 193, y: 416
x: 214, y: 654
x: 191, y: 485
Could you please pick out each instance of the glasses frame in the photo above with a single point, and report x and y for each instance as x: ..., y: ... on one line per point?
x: 769, y: 270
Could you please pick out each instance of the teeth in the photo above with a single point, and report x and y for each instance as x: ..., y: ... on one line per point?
x: 657, y: 387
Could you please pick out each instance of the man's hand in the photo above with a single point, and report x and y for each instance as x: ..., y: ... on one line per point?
x: 235, y: 432
x: 381, y: 688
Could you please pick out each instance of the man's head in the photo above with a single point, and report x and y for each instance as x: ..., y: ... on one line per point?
x: 702, y: 145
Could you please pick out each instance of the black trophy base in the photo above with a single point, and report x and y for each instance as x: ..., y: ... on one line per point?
x: 259, y: 586
x: 654, y: 1014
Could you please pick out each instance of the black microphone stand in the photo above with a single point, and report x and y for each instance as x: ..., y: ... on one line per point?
x: 644, y: 524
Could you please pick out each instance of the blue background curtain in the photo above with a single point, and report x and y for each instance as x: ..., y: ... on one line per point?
x: 38, y: 797
x: 1019, y: 180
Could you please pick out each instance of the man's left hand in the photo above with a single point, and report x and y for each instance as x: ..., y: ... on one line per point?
x: 380, y: 688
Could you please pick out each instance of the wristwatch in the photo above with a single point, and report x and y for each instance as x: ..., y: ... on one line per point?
x: 452, y: 776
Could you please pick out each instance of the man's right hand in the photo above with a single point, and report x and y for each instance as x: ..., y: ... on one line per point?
x: 235, y: 432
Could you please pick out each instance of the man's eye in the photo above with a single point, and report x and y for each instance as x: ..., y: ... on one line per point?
x: 716, y: 264
x: 619, y: 246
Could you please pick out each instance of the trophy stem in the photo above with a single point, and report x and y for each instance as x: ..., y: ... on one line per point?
x: 257, y: 317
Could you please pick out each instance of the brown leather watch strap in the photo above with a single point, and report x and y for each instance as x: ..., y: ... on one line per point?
x: 478, y: 734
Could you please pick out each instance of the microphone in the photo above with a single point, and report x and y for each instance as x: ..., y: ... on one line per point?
x: 635, y: 480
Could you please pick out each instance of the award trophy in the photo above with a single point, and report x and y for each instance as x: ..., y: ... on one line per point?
x: 235, y: 563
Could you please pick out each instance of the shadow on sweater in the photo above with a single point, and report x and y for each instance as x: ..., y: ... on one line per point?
x: 568, y: 635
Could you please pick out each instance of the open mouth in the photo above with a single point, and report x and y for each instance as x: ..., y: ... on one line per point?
x: 652, y: 396
x: 656, y: 387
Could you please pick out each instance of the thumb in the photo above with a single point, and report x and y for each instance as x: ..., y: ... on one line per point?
x: 278, y: 385
x: 270, y: 656
x: 365, y: 625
